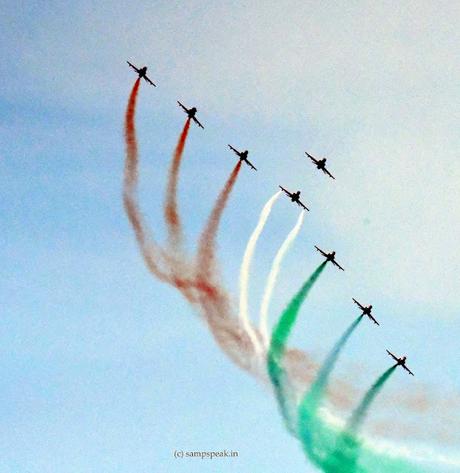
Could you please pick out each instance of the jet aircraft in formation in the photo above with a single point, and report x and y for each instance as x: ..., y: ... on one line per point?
x: 142, y: 72
x: 243, y: 155
x: 295, y: 197
x: 191, y: 114
x: 400, y: 362
x: 330, y: 257
x: 320, y: 164
x: 366, y: 311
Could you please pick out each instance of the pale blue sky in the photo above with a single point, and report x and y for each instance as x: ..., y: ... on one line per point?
x: 106, y: 370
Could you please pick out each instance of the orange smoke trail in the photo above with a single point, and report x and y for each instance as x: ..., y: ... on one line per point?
x: 207, y: 250
x: 199, y: 281
x: 212, y: 296
x: 130, y: 138
x: 149, y: 249
x: 171, y: 215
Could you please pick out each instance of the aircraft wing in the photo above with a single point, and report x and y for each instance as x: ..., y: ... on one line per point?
x: 321, y: 251
x: 392, y: 356
x: 133, y: 66
x: 337, y: 264
x: 197, y: 122
x: 149, y: 81
x: 285, y: 191
x: 407, y: 369
x: 312, y: 158
x: 250, y: 164
x: 234, y: 150
x: 180, y: 105
x: 328, y: 173
x: 300, y: 204
x: 359, y: 305
x: 373, y: 320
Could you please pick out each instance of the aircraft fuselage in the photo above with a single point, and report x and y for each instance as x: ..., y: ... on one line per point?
x: 330, y: 256
x: 191, y: 113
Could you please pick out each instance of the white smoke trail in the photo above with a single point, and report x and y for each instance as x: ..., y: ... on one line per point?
x: 245, y: 268
x: 273, y: 275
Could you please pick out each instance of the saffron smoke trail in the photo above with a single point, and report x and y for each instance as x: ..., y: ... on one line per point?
x: 213, y: 299
x: 207, y: 250
x: 273, y: 276
x: 246, y: 268
x: 160, y: 263
x: 150, y: 251
x: 205, y: 291
x: 277, y: 349
x: 201, y: 285
x: 175, y: 236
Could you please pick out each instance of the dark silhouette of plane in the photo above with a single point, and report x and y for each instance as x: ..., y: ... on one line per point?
x: 400, y: 362
x: 243, y: 155
x: 366, y: 311
x: 330, y: 257
x: 294, y: 196
x: 320, y: 164
x: 142, y: 72
x: 191, y: 114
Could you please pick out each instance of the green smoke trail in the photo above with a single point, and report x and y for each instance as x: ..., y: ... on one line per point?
x: 310, y: 429
x: 361, y: 411
x: 346, y: 453
x: 277, y: 348
x: 338, y: 451
x: 319, y: 386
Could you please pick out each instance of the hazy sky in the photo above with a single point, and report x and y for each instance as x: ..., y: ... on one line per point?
x: 106, y: 370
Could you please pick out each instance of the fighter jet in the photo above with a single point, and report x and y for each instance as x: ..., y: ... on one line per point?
x: 191, y: 114
x: 142, y: 72
x: 295, y: 197
x: 320, y: 164
x: 330, y: 257
x: 243, y: 155
x: 400, y: 362
x: 366, y: 311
